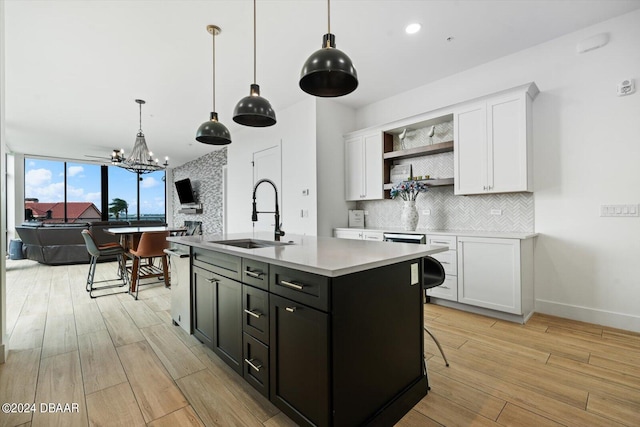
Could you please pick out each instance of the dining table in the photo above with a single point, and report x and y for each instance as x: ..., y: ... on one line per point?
x: 129, y: 238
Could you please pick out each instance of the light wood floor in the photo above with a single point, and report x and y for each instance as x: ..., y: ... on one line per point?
x: 124, y: 363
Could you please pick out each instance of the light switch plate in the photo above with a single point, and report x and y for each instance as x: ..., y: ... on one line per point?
x: 414, y: 274
x: 619, y: 210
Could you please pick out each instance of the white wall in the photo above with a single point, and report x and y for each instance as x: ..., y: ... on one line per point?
x: 586, y: 153
x: 333, y: 121
x: 295, y: 130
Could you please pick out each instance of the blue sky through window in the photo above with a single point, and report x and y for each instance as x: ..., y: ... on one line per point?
x: 44, y: 180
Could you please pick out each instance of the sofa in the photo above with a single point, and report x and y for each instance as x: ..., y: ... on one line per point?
x: 59, y: 244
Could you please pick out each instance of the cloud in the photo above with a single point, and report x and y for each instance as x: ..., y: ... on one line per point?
x: 149, y: 182
x: 37, y: 177
x: 46, y: 193
x: 91, y: 197
x: 74, y: 170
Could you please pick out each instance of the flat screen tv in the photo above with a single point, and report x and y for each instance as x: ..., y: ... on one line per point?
x: 185, y: 191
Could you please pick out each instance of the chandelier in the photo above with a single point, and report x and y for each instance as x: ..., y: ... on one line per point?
x: 140, y: 160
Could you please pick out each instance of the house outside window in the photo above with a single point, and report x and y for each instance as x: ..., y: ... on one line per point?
x: 58, y: 191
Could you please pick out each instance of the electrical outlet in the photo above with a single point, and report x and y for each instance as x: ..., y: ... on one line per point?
x: 366, y: 212
x: 426, y: 212
x: 496, y: 211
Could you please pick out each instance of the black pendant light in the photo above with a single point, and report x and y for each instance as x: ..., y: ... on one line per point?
x: 328, y: 72
x: 254, y: 110
x: 212, y: 131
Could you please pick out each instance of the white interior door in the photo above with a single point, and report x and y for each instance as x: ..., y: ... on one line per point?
x: 267, y: 164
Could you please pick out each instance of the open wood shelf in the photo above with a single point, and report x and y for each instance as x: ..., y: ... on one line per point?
x: 426, y: 150
x: 430, y: 183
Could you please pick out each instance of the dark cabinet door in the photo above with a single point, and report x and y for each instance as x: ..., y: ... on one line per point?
x: 299, y: 361
x: 203, y: 291
x: 227, y: 321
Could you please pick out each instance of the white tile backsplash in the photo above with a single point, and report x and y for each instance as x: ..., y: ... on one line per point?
x: 451, y: 212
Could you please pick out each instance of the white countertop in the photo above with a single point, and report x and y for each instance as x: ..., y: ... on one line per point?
x: 491, y: 234
x: 326, y: 256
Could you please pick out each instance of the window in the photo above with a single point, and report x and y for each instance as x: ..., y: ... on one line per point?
x: 59, y: 191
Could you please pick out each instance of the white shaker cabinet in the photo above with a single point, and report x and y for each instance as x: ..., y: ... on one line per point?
x: 496, y: 274
x: 363, y: 164
x: 492, y: 143
x: 449, y: 288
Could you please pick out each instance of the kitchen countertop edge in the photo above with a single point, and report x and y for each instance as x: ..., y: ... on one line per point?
x: 380, y: 255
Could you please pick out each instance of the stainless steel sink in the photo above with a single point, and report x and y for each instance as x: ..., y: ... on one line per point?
x: 250, y: 243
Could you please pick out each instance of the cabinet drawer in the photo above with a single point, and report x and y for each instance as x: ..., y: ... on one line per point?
x: 255, y: 306
x: 449, y: 261
x: 255, y: 273
x: 307, y: 288
x: 256, y: 364
x: 448, y: 289
x: 224, y: 264
x: 442, y: 240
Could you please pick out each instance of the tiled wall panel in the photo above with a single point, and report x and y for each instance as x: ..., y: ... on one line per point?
x: 205, y: 174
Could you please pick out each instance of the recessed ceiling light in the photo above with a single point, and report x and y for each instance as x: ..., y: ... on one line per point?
x: 412, y: 28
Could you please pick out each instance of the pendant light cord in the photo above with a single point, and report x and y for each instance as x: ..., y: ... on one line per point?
x: 213, y: 34
x: 329, y: 16
x: 140, y: 118
x: 254, y: 41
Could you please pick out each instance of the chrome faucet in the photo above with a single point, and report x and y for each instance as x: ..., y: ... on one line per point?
x: 254, y: 216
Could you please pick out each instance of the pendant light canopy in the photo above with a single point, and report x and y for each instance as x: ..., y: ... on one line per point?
x: 212, y: 131
x: 328, y: 72
x: 254, y: 110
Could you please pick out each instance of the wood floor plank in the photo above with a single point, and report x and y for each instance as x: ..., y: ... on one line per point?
x: 159, y: 303
x: 101, y: 367
x: 618, y: 410
x: 515, y: 416
x: 616, y: 366
x: 256, y: 403
x: 38, y: 299
x: 175, y: 356
x: 448, y: 413
x: 576, y: 325
x: 141, y: 314
x: 472, y: 399
x: 465, y: 371
x: 88, y: 318
x: 121, y: 327
x: 414, y: 418
x: 60, y: 382
x: 28, y: 332
x: 155, y: 391
x: 59, y: 335
x: 184, y: 417
x: 628, y: 385
x: 114, y: 406
x: 18, y: 377
x: 221, y: 408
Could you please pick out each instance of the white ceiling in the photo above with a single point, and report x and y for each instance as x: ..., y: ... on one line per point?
x: 73, y: 68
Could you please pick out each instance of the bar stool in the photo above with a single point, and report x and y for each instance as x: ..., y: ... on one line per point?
x: 108, y: 249
x: 151, y: 245
x: 432, y: 275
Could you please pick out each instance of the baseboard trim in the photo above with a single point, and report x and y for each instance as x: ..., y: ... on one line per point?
x: 612, y: 319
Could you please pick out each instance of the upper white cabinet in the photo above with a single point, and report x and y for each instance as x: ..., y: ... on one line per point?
x: 363, y: 164
x: 492, y: 143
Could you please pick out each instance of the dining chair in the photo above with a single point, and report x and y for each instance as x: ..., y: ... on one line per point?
x: 106, y: 250
x: 151, y: 245
x: 433, y: 275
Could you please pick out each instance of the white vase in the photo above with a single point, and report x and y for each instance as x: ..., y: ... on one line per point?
x: 409, y: 217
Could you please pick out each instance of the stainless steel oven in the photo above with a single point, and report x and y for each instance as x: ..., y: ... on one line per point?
x: 404, y: 238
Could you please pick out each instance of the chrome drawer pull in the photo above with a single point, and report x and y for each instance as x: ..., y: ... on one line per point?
x: 250, y: 363
x: 291, y: 285
x: 444, y: 262
x: 254, y: 274
x: 436, y: 242
x: 213, y: 280
x: 256, y: 315
x: 445, y: 287
x: 290, y: 309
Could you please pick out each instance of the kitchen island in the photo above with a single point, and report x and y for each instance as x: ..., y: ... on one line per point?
x: 329, y: 330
